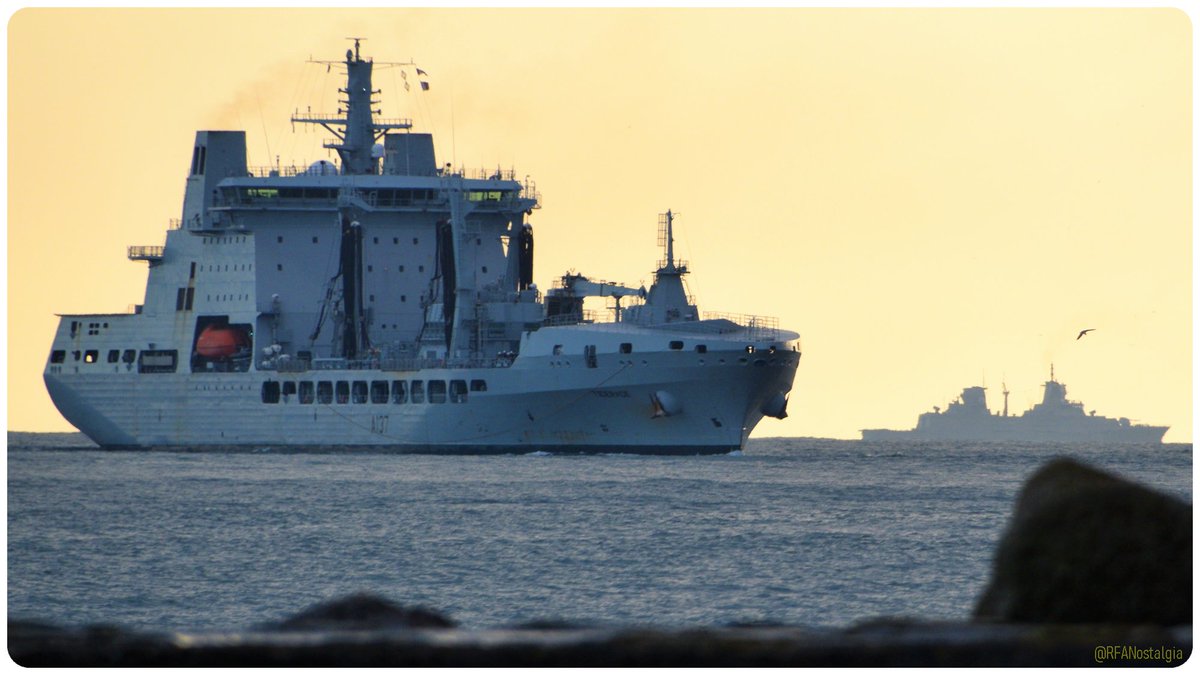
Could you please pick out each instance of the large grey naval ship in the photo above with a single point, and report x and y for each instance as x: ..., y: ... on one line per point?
x: 387, y: 301
x: 1054, y: 420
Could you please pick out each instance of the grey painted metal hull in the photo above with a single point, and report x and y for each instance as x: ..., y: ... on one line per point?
x: 1015, y: 429
x: 528, y: 407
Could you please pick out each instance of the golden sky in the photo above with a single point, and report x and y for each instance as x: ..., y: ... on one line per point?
x: 932, y: 198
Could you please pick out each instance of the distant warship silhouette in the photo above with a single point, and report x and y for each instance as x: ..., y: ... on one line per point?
x: 1055, y: 419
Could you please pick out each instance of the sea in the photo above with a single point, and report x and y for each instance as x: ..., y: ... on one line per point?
x: 796, y: 531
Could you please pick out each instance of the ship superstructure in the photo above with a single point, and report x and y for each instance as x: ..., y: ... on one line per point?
x: 1056, y: 419
x: 386, y: 300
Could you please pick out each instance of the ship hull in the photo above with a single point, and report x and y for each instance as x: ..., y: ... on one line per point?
x: 529, y: 407
x: 1104, y: 431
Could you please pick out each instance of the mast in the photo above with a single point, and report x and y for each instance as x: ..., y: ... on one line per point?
x: 666, y: 239
x: 358, y: 128
x: 670, y: 237
x: 667, y: 301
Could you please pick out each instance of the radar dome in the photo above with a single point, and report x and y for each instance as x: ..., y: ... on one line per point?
x: 321, y: 167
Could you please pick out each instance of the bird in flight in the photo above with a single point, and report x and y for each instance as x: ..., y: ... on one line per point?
x: 1083, y: 332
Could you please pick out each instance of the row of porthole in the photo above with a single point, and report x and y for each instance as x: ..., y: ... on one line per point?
x: 371, y: 268
x: 627, y: 348
x: 395, y: 240
x: 375, y: 240
x: 150, y: 361
x: 397, y: 392
x: 93, y: 355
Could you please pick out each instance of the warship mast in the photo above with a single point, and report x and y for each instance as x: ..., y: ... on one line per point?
x: 356, y: 129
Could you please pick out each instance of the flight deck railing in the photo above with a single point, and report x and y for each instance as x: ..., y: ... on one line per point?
x: 292, y: 365
x: 763, y: 327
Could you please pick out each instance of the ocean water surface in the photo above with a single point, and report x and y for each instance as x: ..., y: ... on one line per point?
x: 797, y: 531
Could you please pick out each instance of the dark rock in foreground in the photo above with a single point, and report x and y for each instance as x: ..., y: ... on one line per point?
x: 1087, y: 547
x: 878, y: 644
x: 361, y: 612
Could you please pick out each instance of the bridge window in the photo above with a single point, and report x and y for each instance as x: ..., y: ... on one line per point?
x: 399, y: 392
x: 129, y: 356
x: 306, y: 393
x: 289, y: 388
x: 58, y: 356
x: 359, y: 391
x: 701, y: 349
x: 626, y: 347
x: 342, y: 391
x: 437, y: 391
x: 478, y: 385
x: 270, y: 392
x: 90, y: 356
x: 325, y: 392
x: 114, y: 355
x: 418, y: 391
x: 458, y: 391
x: 676, y: 344
x: 379, y: 391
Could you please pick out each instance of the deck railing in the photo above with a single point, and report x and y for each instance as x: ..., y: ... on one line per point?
x: 766, y: 327
x: 386, y: 364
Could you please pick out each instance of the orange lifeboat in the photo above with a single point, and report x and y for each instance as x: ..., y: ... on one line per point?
x: 219, y: 342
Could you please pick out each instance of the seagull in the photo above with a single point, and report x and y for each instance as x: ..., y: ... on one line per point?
x: 1083, y: 332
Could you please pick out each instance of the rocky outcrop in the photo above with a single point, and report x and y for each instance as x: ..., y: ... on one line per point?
x: 1087, y: 547
x: 878, y: 644
x: 361, y: 612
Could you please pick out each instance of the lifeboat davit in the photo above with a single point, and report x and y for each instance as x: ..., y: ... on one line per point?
x: 220, y: 342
